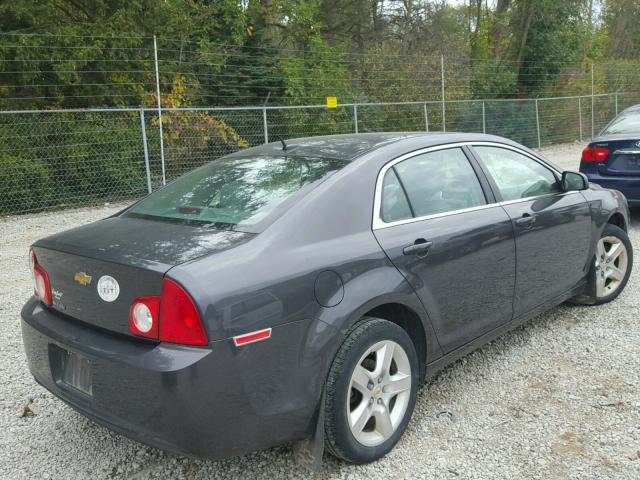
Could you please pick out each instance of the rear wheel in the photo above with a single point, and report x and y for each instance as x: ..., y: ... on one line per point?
x: 611, y: 267
x: 371, y: 391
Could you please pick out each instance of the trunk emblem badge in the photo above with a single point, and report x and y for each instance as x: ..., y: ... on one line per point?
x: 638, y: 144
x: 108, y: 288
x: 82, y: 278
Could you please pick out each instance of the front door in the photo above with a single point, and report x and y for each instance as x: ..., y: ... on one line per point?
x: 552, y: 228
x: 449, y: 239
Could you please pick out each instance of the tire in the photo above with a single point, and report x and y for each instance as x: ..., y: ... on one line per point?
x: 346, y: 397
x: 608, y: 276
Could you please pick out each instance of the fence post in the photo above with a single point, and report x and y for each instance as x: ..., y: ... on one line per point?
x: 444, y: 122
x: 264, y: 125
x: 580, y: 116
x: 616, y: 104
x: 426, y: 117
x: 155, y: 60
x: 484, y: 121
x: 593, y: 116
x: 145, y: 148
x: 538, y: 124
x: 355, y: 117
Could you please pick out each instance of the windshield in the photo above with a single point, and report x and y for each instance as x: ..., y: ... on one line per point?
x: 625, y: 123
x: 235, y: 192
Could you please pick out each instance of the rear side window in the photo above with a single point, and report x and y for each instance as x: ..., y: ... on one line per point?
x: 627, y: 122
x: 394, y: 202
x: 516, y: 175
x: 437, y: 182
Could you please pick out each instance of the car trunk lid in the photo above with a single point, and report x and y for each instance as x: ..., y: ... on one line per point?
x: 624, y: 156
x: 135, y: 252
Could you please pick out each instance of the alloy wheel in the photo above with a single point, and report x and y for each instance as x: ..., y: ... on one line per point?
x: 611, y: 265
x: 379, y: 393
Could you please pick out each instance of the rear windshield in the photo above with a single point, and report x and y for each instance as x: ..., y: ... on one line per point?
x: 235, y: 193
x: 624, y: 123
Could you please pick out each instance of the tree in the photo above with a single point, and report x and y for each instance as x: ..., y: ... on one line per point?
x: 623, y: 39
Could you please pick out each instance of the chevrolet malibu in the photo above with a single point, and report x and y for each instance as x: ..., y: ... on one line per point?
x: 301, y: 292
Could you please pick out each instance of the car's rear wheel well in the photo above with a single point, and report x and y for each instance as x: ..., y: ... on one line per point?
x: 408, y: 320
x: 617, y: 219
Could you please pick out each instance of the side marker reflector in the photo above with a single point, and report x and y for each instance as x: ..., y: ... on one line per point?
x: 252, y: 337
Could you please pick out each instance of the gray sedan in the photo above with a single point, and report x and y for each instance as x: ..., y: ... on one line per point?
x: 305, y: 290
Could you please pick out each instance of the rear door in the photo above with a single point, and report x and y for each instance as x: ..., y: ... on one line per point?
x: 552, y: 228
x: 437, y: 220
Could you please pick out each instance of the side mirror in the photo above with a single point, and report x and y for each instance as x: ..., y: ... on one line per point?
x: 572, y: 181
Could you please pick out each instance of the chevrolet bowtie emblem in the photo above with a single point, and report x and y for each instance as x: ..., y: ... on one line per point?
x: 82, y: 278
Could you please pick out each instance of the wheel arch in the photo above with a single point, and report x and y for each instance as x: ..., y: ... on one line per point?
x: 407, y: 319
x: 618, y: 220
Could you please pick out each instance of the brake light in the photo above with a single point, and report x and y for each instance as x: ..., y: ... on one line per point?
x: 595, y: 154
x: 179, y: 318
x: 171, y: 317
x: 42, y: 288
x: 144, y: 317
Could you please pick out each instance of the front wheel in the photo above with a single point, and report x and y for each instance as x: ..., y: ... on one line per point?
x: 370, y: 391
x: 611, y: 267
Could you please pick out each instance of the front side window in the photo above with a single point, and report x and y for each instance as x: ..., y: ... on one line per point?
x: 516, y: 175
x: 436, y: 182
x: 235, y: 192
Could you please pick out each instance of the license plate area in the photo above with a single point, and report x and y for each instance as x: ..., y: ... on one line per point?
x: 633, y: 161
x: 71, y: 370
x: 622, y: 164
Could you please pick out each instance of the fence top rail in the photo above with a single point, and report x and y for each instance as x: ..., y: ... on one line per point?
x: 297, y: 107
x: 74, y: 110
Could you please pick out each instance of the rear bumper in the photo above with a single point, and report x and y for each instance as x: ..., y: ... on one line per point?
x: 213, y: 402
x: 629, y: 186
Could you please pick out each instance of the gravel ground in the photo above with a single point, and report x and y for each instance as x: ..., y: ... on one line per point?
x: 557, y: 398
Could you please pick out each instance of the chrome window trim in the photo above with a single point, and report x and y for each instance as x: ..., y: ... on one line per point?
x: 379, y: 224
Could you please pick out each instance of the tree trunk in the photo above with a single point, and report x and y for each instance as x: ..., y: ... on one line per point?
x: 525, y: 33
x: 476, y: 30
x: 497, y: 29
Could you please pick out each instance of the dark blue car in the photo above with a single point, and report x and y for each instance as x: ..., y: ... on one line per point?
x: 612, y: 159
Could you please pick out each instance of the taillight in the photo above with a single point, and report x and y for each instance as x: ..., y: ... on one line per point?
x: 144, y: 317
x: 179, y: 318
x: 171, y: 317
x: 42, y: 288
x: 595, y: 154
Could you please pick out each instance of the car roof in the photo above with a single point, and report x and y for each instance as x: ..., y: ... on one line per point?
x: 632, y: 108
x: 351, y: 146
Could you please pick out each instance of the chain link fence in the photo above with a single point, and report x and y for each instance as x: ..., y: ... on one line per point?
x: 67, y: 158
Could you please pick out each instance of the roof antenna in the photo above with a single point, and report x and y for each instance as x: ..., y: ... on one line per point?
x: 284, y: 145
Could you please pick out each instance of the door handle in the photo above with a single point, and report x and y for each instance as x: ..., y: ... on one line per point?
x: 420, y: 247
x: 526, y: 220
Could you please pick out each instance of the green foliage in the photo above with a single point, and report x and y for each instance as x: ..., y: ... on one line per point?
x: 552, y: 42
x: 80, y: 160
x: 99, y: 53
x: 25, y: 183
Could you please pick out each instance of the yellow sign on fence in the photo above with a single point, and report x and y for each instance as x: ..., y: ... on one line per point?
x: 332, y: 102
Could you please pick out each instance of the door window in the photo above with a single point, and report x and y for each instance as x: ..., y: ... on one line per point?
x: 436, y: 182
x: 516, y: 175
x: 394, y: 202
